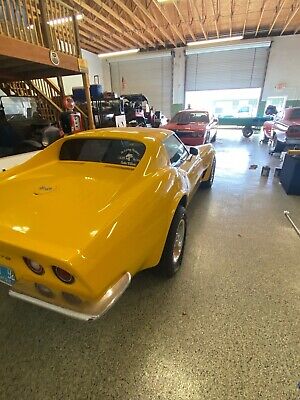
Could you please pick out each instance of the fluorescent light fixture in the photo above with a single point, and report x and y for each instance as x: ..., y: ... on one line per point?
x: 64, y: 20
x: 118, y: 53
x: 210, y: 41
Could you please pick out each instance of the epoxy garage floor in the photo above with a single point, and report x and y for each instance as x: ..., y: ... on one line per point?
x: 227, y: 327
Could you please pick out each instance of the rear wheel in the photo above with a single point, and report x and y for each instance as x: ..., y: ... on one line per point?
x: 208, y: 184
x: 276, y: 146
x: 173, y: 251
x: 247, y: 131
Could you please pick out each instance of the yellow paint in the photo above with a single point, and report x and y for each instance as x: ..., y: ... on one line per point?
x: 95, y: 220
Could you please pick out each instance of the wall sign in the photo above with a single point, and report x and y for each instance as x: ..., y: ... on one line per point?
x: 54, y: 58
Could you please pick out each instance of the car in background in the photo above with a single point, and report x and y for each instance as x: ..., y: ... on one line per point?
x: 283, y: 130
x: 193, y: 127
x: 81, y: 217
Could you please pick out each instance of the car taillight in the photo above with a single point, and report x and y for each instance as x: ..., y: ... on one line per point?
x: 63, y: 275
x: 34, y: 266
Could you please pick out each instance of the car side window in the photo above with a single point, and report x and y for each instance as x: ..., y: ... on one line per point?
x: 176, y: 150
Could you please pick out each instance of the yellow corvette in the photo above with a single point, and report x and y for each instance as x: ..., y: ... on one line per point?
x: 83, y: 216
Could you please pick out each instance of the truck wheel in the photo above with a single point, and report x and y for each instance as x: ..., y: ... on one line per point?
x: 172, y: 255
x: 247, y: 131
x: 276, y: 146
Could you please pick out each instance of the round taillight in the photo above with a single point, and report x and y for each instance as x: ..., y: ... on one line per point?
x: 63, y: 275
x: 34, y: 266
x: 44, y: 290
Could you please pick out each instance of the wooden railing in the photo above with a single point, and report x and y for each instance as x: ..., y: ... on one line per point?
x: 47, y: 93
x: 47, y: 23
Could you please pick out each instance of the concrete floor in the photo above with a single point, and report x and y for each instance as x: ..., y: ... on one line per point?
x: 227, y: 327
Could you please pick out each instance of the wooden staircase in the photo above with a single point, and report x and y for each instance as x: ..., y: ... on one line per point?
x: 48, y: 94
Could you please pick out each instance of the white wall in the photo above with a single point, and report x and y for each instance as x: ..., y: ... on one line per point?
x: 283, y: 67
x: 95, y: 68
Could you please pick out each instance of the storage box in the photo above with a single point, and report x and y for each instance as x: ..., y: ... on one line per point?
x: 290, y: 175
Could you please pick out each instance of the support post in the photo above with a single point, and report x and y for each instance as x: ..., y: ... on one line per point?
x: 44, y: 25
x: 77, y: 37
x: 61, y: 88
x: 86, y: 84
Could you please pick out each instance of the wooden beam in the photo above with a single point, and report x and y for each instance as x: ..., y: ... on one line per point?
x: 153, y: 20
x: 215, y: 18
x: 91, y: 37
x: 118, y: 42
x: 86, y: 84
x: 44, y: 97
x: 200, y: 19
x: 232, y: 4
x: 101, y: 17
x: 121, y: 4
x: 182, y: 20
x: 246, y: 17
x: 262, y: 10
x: 123, y: 21
x: 277, y: 13
x: 172, y: 26
x: 292, y: 16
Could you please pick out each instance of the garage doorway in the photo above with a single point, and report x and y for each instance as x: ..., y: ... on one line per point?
x: 225, y: 103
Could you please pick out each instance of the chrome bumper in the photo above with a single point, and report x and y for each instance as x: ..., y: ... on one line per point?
x: 86, y: 313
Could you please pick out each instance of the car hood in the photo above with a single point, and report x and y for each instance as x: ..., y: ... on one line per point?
x: 61, y: 204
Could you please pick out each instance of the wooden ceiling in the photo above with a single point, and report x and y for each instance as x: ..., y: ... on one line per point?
x: 111, y: 25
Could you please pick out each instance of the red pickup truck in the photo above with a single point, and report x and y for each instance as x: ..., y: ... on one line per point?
x: 284, y: 130
x: 193, y: 127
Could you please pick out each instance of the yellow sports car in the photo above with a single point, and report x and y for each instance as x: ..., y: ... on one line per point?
x: 83, y: 216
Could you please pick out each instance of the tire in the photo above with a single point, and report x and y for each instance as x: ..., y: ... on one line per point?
x: 171, y: 258
x: 214, y: 138
x: 247, y: 131
x: 276, y: 146
x: 208, y: 184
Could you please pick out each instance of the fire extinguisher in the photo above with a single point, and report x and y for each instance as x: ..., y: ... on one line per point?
x: 70, y: 120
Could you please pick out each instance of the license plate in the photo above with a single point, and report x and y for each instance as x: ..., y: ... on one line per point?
x: 7, y: 275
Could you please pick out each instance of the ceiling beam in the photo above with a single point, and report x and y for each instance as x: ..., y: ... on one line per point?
x: 232, y: 5
x: 153, y: 20
x: 246, y: 17
x: 182, y: 20
x: 121, y: 4
x: 123, y: 21
x: 277, y: 13
x: 106, y: 41
x: 172, y: 26
x: 200, y: 18
x: 262, y: 10
x: 294, y: 12
x: 93, y: 40
x: 101, y: 17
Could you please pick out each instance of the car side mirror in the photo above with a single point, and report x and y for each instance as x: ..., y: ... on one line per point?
x: 194, y: 151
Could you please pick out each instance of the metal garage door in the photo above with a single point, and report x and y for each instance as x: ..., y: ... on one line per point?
x: 230, y: 69
x: 150, y: 76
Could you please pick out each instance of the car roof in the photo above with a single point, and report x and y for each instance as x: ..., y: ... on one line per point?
x: 133, y: 133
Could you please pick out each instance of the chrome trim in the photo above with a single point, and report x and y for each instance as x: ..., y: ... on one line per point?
x: 97, y: 310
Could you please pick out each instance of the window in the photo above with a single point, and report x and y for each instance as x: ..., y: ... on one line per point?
x: 176, y: 150
x: 110, y: 151
x: 190, y: 117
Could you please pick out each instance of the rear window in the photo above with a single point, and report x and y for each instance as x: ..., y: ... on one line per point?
x: 109, y: 151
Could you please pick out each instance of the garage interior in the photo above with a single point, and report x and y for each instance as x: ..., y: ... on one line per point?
x: 227, y: 325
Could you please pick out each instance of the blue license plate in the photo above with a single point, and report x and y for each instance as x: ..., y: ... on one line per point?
x: 7, y: 275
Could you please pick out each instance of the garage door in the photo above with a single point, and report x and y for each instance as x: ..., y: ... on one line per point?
x: 230, y: 69
x: 151, y: 76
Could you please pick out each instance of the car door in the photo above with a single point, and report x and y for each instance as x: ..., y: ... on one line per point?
x: 190, y: 165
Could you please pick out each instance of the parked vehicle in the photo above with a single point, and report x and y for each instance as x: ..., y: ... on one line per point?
x: 84, y: 215
x: 283, y: 130
x: 22, y: 129
x: 138, y: 111
x: 194, y: 127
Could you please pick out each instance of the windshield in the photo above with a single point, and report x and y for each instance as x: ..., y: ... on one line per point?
x: 19, y: 108
x: 110, y: 151
x: 295, y: 114
x: 190, y: 117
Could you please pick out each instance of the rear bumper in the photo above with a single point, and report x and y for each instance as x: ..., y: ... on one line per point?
x: 85, y: 311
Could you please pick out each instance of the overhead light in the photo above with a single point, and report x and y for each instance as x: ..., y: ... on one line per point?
x: 64, y: 20
x: 220, y: 40
x: 118, y: 53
